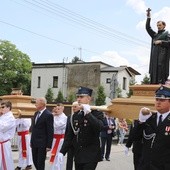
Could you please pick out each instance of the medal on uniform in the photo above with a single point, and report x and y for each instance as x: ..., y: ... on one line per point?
x: 166, y: 133
x: 167, y: 130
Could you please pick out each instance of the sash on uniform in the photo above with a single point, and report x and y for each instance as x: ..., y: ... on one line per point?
x: 58, y: 137
x: 3, y: 155
x: 23, y: 142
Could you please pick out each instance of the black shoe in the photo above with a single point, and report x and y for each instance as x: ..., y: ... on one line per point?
x: 28, y: 167
x: 18, y: 168
x: 107, y: 159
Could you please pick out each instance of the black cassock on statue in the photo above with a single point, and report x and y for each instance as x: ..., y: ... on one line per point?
x: 160, y: 55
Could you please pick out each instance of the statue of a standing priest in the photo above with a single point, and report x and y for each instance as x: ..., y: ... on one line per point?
x: 160, y: 52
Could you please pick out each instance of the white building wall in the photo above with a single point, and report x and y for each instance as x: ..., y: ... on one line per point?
x: 103, y: 78
x: 122, y: 74
x: 47, y: 75
x: 119, y: 76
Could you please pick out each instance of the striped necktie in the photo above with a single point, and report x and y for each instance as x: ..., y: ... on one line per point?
x: 37, y: 117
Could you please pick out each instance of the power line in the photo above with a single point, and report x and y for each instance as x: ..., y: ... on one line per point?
x: 52, y: 39
x: 101, y: 34
x: 85, y: 22
x: 23, y: 29
x: 40, y: 35
x: 51, y: 10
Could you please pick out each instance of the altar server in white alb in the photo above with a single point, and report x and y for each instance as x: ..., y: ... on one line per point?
x: 25, y: 154
x: 7, y: 131
x: 60, y: 121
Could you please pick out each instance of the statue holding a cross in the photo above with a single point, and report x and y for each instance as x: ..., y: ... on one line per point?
x: 160, y: 51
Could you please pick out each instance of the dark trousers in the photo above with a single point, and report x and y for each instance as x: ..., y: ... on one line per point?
x: 106, y: 143
x: 86, y: 166
x: 136, y: 160
x: 39, y: 156
x: 70, y: 156
x: 154, y: 166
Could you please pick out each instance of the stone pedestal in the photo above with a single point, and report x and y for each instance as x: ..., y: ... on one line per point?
x: 143, y: 96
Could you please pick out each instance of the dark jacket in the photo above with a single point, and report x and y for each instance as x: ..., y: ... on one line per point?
x: 104, y: 133
x: 86, y: 143
x: 156, y: 143
x: 159, y: 56
x: 136, y: 145
x: 42, y: 131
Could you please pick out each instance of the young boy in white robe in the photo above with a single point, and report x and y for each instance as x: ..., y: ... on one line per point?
x: 7, y: 131
x: 25, y: 153
x: 60, y: 121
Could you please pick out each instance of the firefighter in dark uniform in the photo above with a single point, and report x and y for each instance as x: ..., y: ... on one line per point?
x: 155, y: 130
x: 136, y: 146
x: 83, y: 133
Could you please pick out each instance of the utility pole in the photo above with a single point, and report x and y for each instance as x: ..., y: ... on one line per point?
x: 80, y: 49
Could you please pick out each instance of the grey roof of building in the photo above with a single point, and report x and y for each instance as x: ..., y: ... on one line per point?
x: 130, y: 70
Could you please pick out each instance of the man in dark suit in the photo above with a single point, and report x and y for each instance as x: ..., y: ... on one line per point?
x: 106, y: 136
x: 83, y: 133
x: 42, y: 133
x: 155, y: 130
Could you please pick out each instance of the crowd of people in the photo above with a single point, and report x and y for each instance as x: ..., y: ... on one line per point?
x: 79, y: 135
x: 86, y: 135
x: 54, y: 133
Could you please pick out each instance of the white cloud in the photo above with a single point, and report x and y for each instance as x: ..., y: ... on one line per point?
x: 140, y: 61
x: 112, y: 58
x: 138, y: 5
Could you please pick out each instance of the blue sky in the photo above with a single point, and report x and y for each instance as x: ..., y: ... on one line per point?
x: 111, y: 31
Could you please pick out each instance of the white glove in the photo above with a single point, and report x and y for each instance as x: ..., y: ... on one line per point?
x: 86, y: 108
x: 143, y: 118
x: 126, y: 151
x: 60, y: 158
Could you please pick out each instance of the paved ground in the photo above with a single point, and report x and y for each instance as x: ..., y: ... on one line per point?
x: 118, y: 160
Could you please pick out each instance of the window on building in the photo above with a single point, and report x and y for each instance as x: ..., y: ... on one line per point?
x: 55, y: 81
x: 39, y: 82
x: 124, y: 83
x: 108, y: 80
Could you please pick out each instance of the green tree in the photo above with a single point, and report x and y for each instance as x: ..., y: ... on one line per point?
x: 49, y: 95
x: 71, y: 97
x: 118, y: 92
x: 100, y: 100
x: 15, y: 69
x: 60, y: 97
x: 146, y: 80
x: 132, y: 82
x: 75, y: 59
